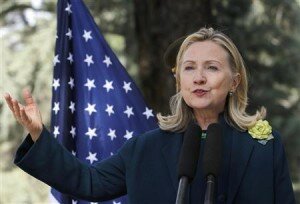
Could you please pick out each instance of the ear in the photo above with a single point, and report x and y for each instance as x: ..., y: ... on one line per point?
x: 236, y: 81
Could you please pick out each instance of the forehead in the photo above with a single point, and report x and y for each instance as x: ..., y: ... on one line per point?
x: 205, y: 51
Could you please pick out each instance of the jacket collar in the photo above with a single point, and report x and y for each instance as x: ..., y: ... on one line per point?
x: 242, y: 148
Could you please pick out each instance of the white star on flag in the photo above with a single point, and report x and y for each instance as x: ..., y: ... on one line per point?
x: 91, y: 108
x: 56, y: 131
x: 109, y: 109
x: 128, y: 111
x: 87, y: 35
x: 70, y: 58
x: 114, y: 202
x: 128, y: 135
x: 90, y: 84
x: 69, y: 34
x: 56, y: 60
x: 112, y: 134
x: 89, y: 59
x: 68, y: 8
x: 72, y: 106
x: 73, y: 131
x: 71, y: 82
x: 56, y: 107
x: 74, y: 153
x: 93, y: 202
x: 55, y: 84
x: 91, y: 133
x: 107, y: 61
x: 127, y: 87
x: 108, y: 85
x: 92, y: 157
x: 148, y: 113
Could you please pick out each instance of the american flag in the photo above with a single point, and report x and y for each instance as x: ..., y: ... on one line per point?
x: 96, y: 106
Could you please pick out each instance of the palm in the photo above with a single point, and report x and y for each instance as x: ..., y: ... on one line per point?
x: 34, y: 116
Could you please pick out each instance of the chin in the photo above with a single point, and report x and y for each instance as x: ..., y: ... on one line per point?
x: 199, y: 106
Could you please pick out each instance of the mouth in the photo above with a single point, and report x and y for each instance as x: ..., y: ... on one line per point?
x: 200, y: 92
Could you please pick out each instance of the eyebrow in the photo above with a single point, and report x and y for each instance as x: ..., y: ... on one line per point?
x: 207, y: 61
x: 188, y: 61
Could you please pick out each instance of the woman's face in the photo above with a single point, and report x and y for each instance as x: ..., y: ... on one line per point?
x: 206, y: 76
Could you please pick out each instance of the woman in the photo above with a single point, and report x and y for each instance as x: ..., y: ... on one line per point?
x: 211, y: 87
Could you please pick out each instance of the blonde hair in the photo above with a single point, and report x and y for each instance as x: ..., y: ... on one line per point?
x: 236, y: 104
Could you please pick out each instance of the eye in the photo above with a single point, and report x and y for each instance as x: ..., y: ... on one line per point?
x: 188, y: 68
x: 213, y: 68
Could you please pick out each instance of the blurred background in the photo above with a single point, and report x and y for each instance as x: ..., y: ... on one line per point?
x: 267, y: 32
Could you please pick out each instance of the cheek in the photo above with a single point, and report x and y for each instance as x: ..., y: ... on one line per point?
x: 185, y: 83
x: 186, y: 96
x: 223, y: 88
x: 224, y: 82
x: 184, y: 89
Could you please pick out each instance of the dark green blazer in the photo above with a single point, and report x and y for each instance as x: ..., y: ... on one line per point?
x: 145, y: 168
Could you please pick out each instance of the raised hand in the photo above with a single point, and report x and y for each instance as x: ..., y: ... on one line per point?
x: 27, y: 115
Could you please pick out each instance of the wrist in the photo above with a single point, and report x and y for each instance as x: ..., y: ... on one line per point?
x: 36, y: 134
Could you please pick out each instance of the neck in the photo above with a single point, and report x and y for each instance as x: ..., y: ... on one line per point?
x: 205, y: 118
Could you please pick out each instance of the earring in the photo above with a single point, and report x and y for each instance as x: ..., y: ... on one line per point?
x: 230, y: 93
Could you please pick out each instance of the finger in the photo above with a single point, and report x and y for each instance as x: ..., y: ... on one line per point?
x: 16, y: 109
x: 27, y: 97
x: 20, y: 106
x: 8, y: 101
x: 24, y: 117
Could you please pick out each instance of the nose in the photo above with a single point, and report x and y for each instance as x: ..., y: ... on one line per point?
x: 199, y: 77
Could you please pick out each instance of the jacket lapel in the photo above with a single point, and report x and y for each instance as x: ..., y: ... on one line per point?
x: 171, y: 153
x: 241, y: 151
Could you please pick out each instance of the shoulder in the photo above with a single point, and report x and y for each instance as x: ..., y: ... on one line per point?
x: 156, y: 133
x: 156, y: 137
x: 262, y: 135
x: 278, y: 143
x: 148, y: 144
